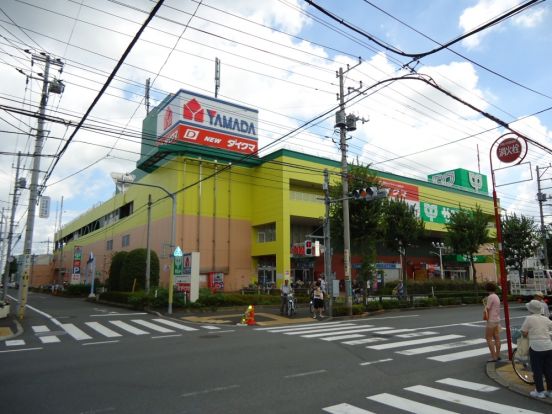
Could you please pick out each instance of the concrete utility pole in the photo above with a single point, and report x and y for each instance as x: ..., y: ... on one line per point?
x: 542, y: 198
x: 9, y: 259
x: 342, y: 121
x: 327, y: 238
x: 34, y: 190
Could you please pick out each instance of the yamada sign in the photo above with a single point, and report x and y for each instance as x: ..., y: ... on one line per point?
x: 198, y: 119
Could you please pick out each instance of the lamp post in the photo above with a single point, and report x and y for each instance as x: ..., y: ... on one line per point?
x: 128, y: 179
x: 440, y: 246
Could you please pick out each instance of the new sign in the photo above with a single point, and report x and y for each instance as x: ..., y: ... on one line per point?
x: 193, y: 118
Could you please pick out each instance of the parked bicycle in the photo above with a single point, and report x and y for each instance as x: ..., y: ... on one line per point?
x: 291, y: 305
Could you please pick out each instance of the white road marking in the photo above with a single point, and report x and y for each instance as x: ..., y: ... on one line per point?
x: 305, y: 374
x: 129, y: 328
x: 75, y: 332
x: 345, y: 409
x: 165, y: 336
x: 48, y: 339
x: 210, y: 327
x: 475, y: 386
x: 152, y: 326
x: 175, y: 325
x: 119, y: 314
x: 319, y: 329
x: 460, y: 355
x: 365, y: 341
x: 20, y: 350
x: 40, y: 329
x: 15, y: 342
x: 417, y: 334
x: 207, y: 391
x: 341, y: 337
x: 407, y: 405
x: 343, y: 332
x: 414, y: 342
x: 478, y: 403
x: 100, y: 343
x: 376, y: 362
x: 306, y: 325
x: 104, y: 330
x: 442, y: 347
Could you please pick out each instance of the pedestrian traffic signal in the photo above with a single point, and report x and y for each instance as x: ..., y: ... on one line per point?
x: 308, y: 247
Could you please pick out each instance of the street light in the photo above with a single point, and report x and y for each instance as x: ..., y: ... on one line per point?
x: 440, y: 246
x: 129, y: 179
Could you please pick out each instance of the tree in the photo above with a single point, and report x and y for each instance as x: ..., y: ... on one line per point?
x: 466, y: 231
x: 134, y: 268
x: 520, y: 238
x: 117, y: 262
x: 400, y: 226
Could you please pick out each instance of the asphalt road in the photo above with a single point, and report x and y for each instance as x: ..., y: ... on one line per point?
x: 109, y: 360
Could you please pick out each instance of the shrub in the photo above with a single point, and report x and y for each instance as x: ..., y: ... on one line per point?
x: 77, y: 290
x: 339, y: 309
x: 134, y: 268
x: 117, y: 262
x: 373, y: 305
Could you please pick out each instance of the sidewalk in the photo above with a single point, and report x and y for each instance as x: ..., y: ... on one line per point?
x: 503, y: 373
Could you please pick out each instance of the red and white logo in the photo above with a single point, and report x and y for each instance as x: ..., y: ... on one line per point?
x: 509, y: 150
x: 193, y: 111
x: 168, y: 118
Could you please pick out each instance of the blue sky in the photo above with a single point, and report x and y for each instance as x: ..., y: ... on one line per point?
x: 279, y: 58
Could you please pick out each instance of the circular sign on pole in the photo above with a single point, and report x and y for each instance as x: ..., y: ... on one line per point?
x: 510, y: 149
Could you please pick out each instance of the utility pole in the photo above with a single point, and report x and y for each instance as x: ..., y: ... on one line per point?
x: 55, y: 87
x: 542, y: 198
x: 9, y: 259
x: 345, y: 123
x: 327, y: 238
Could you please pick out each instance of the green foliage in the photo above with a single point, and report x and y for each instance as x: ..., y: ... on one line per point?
x: 519, y: 235
x: 400, y: 224
x: 339, y: 309
x: 134, y: 267
x: 117, y: 262
x: 373, y: 305
x: 77, y: 290
x: 466, y: 231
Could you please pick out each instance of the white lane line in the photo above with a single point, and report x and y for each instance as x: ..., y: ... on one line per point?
x: 129, y: 328
x: 152, y: 326
x: 343, y: 332
x: 100, y: 343
x: 442, y: 347
x: 165, y: 336
x: 104, y: 330
x: 306, y: 374
x: 474, y: 386
x: 119, y: 314
x: 478, y: 403
x: 365, y: 341
x: 211, y: 327
x: 15, y: 342
x: 414, y: 342
x: 20, y: 350
x: 320, y: 329
x: 376, y: 362
x: 305, y: 325
x: 408, y: 405
x: 49, y: 339
x: 339, y: 338
x: 207, y: 391
x: 75, y: 332
x: 345, y: 408
x: 417, y: 334
x: 175, y: 325
x: 395, y: 331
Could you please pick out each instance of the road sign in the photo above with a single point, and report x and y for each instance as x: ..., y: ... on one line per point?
x: 509, y: 150
x: 178, y: 262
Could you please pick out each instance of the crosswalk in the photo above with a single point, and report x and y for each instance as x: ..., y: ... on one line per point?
x: 115, y: 328
x: 447, y: 396
x: 430, y: 344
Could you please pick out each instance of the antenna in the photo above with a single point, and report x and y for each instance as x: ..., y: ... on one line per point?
x: 217, y: 76
x: 147, y: 96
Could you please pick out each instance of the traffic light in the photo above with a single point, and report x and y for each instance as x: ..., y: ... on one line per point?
x: 365, y: 193
x: 308, y: 247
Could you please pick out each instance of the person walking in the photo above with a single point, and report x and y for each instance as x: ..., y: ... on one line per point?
x: 491, y: 314
x: 540, y: 297
x: 537, y: 328
x: 284, y: 292
x: 318, y: 298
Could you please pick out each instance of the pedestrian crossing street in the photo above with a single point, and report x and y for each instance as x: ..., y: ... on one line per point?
x: 406, y: 341
x: 447, y: 396
x: 111, y: 329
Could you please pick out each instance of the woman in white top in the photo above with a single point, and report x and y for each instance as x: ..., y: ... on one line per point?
x: 538, y: 328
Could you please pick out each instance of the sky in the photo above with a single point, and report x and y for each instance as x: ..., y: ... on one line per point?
x: 280, y: 57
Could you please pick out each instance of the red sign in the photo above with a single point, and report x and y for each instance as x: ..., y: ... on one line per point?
x: 400, y: 190
x: 184, y: 133
x: 509, y: 150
